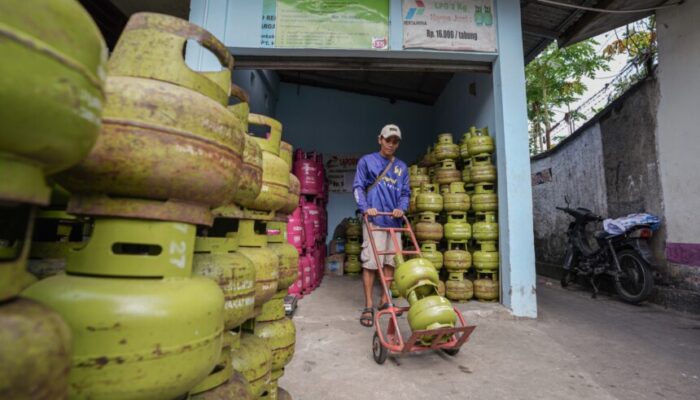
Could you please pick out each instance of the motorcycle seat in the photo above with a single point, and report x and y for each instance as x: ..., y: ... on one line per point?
x: 603, y: 235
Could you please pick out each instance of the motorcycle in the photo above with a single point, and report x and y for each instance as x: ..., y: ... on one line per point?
x: 624, y: 257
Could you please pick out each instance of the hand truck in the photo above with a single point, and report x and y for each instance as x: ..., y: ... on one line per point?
x: 449, y: 340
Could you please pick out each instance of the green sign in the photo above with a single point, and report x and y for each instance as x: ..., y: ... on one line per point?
x: 332, y: 24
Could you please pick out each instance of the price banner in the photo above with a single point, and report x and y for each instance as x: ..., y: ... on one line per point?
x: 326, y: 24
x: 340, y: 171
x: 452, y: 25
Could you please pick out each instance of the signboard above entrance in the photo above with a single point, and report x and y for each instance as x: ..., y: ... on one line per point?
x: 453, y: 25
x: 326, y: 24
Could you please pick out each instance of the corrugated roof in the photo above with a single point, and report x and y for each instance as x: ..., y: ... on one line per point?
x: 543, y: 23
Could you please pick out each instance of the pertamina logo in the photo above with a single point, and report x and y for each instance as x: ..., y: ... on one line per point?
x: 417, y: 10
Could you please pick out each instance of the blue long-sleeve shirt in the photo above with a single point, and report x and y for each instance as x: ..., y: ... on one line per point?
x: 392, y: 192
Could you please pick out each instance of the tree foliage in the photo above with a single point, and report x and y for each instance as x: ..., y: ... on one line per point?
x: 638, y: 42
x: 554, y: 80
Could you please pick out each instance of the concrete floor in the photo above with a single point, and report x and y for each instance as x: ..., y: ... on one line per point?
x: 578, y: 348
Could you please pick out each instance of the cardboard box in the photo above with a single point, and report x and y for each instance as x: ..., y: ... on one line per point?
x: 335, y: 264
x: 337, y: 246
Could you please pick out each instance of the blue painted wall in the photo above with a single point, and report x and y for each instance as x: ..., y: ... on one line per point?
x: 262, y: 87
x: 466, y: 101
x: 337, y: 122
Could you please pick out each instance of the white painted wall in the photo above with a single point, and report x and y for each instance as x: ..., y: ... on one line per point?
x: 678, y: 136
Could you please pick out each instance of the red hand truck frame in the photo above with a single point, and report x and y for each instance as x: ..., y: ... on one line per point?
x: 391, y: 341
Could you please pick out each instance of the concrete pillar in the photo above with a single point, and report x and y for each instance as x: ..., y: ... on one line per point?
x: 678, y: 140
x: 513, y: 163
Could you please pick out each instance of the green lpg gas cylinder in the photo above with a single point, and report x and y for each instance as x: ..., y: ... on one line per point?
x: 480, y: 142
x: 441, y: 288
x: 417, y: 276
x: 218, y: 376
x: 353, y: 247
x: 254, y: 360
x: 419, y: 177
x: 427, y: 228
x: 486, y: 227
x: 457, y: 258
x: 352, y: 266
x: 286, y: 150
x: 52, y: 86
x: 484, y: 198
x: 139, y: 152
x: 354, y: 228
x: 55, y: 234
x: 429, y: 199
x: 251, y: 172
x: 287, y: 254
x: 486, y: 259
x: 431, y: 312
x: 447, y: 173
x: 216, y: 259
x: 278, y: 330
x: 292, y: 196
x: 252, y: 240
x: 137, y: 332
x: 464, y: 146
x: 467, y: 171
x: 394, y: 290
x: 35, y: 349
x: 457, y: 227
x: 430, y: 252
x: 412, y: 209
x: 456, y: 199
x: 469, y: 188
x: 445, y: 148
x: 275, y: 179
x: 250, y: 175
x: 482, y: 169
x: 458, y: 288
x: 486, y: 287
x: 235, y: 388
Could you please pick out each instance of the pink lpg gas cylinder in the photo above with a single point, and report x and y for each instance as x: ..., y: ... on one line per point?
x: 295, y: 229
x: 320, y: 172
x: 306, y: 169
x: 308, y: 274
x: 312, y: 222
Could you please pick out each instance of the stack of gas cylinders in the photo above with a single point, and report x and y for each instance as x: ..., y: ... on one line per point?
x: 308, y: 224
x: 163, y: 250
x: 353, y: 247
x: 453, y: 212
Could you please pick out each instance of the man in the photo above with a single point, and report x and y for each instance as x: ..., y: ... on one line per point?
x: 381, y: 185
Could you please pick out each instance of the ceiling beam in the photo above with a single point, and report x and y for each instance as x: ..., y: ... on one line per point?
x: 371, y: 89
x: 282, y: 63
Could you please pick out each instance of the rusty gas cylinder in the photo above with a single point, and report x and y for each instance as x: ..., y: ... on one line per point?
x: 137, y: 162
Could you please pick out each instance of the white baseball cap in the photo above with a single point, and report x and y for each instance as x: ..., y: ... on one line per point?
x: 389, y: 131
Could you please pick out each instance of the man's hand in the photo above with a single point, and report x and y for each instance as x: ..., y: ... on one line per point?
x: 372, y: 212
x: 397, y: 213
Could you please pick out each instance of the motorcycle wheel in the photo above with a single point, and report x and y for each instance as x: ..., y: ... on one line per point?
x: 569, y: 275
x: 635, y: 282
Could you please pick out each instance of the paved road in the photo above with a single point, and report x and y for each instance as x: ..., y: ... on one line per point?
x: 579, y: 348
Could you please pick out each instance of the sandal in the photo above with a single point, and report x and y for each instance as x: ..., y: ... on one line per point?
x: 367, y: 317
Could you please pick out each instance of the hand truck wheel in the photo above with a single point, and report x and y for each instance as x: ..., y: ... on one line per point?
x: 379, y: 352
x: 451, y: 352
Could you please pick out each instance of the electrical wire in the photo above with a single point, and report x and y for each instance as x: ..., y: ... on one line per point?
x: 602, y: 10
